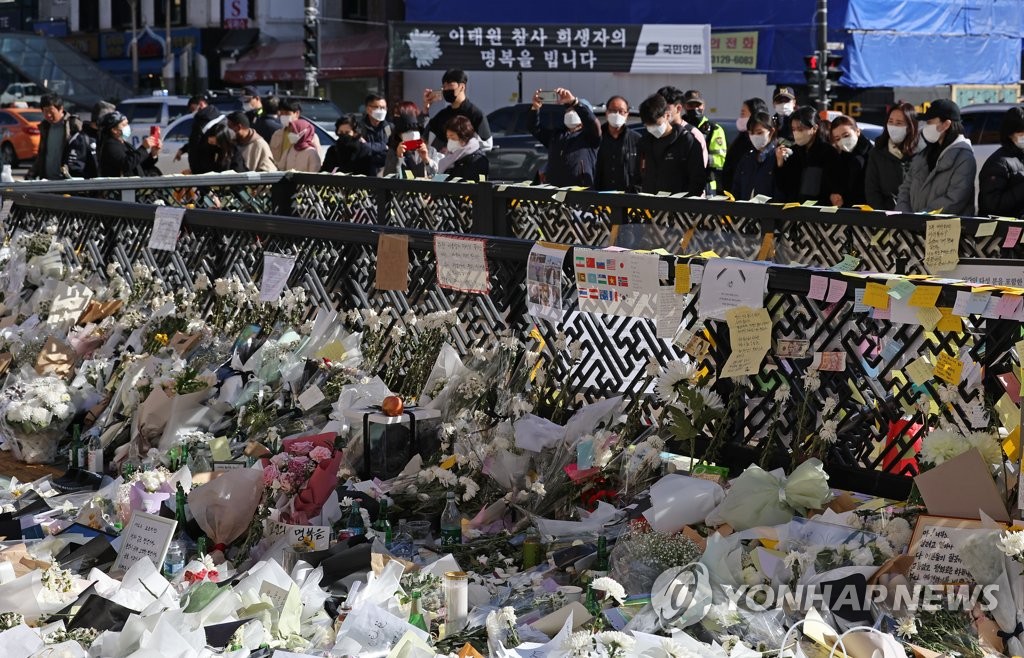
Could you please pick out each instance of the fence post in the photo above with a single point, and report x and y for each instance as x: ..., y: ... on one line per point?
x: 282, y: 197
x: 484, y: 215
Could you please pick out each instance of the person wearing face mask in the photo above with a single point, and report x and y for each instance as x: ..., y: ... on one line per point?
x: 376, y: 130
x: 755, y: 172
x: 255, y: 151
x: 618, y: 167
x: 674, y: 96
x: 408, y: 149
x: 1001, y: 183
x: 252, y: 105
x: 572, y: 147
x: 226, y: 154
x: 463, y: 159
x: 281, y: 142
x: 303, y: 152
x: 350, y: 154
x: 941, y: 176
x: 741, y: 145
x: 671, y: 159
x: 800, y: 168
x: 844, y: 176
x: 784, y: 104
x: 453, y: 91
x: 890, y: 159
x: 116, y: 156
x: 714, y: 135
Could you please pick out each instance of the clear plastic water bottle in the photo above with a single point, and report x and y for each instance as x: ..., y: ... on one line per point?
x: 174, y: 561
x: 451, y: 523
x: 402, y: 544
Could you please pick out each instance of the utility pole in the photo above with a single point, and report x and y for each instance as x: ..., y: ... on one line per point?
x: 133, y: 4
x: 821, y: 23
x: 168, y: 50
x: 311, y: 43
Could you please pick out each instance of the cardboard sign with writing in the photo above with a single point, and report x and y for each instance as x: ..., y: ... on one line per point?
x: 302, y: 537
x: 934, y: 547
x: 392, y: 262
x: 55, y: 358
x: 146, y: 535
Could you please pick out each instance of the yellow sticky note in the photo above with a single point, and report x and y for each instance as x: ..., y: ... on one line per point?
x: 708, y: 254
x: 949, y: 369
x: 682, y: 278
x: 864, y: 206
x: 950, y: 322
x: 986, y: 229
x: 750, y: 332
x: 929, y: 318
x: 409, y: 174
x: 876, y: 295
x: 941, y: 244
x: 1008, y: 412
x: 219, y: 449
x: 920, y: 371
x: 684, y: 243
x: 1011, y: 446
x: 924, y: 296
x: 791, y: 204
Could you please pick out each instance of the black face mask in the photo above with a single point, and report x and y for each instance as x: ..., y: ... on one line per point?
x: 693, y: 116
x: 448, y: 95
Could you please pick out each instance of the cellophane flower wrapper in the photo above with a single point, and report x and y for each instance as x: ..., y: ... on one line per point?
x: 224, y: 507
x: 447, y: 365
x: 679, y: 500
x: 980, y: 553
x: 761, y: 498
x: 188, y: 413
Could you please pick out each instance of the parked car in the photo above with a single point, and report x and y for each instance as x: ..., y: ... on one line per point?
x: 147, y: 111
x: 22, y: 92
x: 176, y: 134
x: 320, y: 111
x: 19, y: 134
x: 515, y: 165
x: 981, y: 126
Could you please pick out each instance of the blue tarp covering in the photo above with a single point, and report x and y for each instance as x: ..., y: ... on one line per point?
x: 888, y: 42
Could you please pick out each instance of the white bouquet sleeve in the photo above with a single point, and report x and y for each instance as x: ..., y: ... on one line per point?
x: 758, y: 497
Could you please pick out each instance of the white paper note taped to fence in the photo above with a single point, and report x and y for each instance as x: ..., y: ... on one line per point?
x: 166, y: 226
x: 276, y: 270
x: 544, y: 280
x: 462, y: 264
x: 617, y: 282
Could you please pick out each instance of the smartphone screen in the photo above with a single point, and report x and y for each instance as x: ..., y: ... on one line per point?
x: 548, y: 97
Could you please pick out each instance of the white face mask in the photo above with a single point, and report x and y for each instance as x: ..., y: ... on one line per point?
x: 784, y: 109
x: 293, y: 137
x: 616, y: 120
x: 126, y: 132
x: 760, y: 140
x: 454, y: 145
x: 848, y: 143
x: 379, y: 115
x: 1019, y: 142
x: 253, y: 105
x: 572, y: 120
x: 896, y: 133
x: 285, y: 120
x: 657, y: 129
x: 411, y: 136
x: 803, y: 138
x: 741, y: 124
x: 931, y: 133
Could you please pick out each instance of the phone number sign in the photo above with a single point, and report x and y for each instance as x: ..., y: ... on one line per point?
x: 734, y: 50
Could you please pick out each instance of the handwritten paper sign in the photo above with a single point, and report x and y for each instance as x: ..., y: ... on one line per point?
x: 934, y: 545
x: 166, y: 226
x: 276, y: 270
x: 670, y: 312
x: 462, y: 264
x: 750, y: 335
x: 949, y: 369
x: 146, y: 535
x: 301, y: 537
x: 941, y: 244
x: 731, y: 284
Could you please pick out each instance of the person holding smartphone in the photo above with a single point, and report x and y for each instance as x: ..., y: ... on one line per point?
x: 572, y: 148
x: 453, y: 92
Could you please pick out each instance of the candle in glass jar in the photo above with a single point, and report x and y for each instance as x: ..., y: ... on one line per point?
x: 456, y: 600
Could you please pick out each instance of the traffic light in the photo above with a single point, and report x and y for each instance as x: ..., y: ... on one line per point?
x: 832, y: 71
x: 812, y: 72
x: 311, y: 42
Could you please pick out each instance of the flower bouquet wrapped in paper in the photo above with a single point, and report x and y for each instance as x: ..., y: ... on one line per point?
x: 996, y: 558
x: 306, y: 473
x: 224, y: 507
x: 758, y: 497
x: 34, y: 413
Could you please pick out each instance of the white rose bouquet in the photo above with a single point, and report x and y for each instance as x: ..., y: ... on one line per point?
x: 35, y: 415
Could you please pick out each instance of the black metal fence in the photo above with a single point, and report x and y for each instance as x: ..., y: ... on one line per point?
x: 336, y: 265
x: 884, y: 242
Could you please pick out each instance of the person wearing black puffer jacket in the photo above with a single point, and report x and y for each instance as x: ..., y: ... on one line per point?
x: 800, y: 173
x: 844, y: 175
x: 671, y: 158
x: 890, y: 160
x: 1001, y: 184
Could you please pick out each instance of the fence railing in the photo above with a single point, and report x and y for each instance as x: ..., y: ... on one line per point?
x: 336, y: 264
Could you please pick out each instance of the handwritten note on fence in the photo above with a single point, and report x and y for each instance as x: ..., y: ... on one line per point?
x: 750, y: 336
x: 166, y: 226
x: 462, y: 264
x: 941, y: 244
x: 276, y: 270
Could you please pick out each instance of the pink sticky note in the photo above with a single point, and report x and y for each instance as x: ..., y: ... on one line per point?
x: 1012, y: 237
x: 819, y: 285
x: 882, y: 313
x: 836, y: 290
x: 1007, y: 305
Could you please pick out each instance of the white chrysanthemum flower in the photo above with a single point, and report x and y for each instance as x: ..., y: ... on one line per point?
x: 907, y: 628
x: 675, y: 372
x: 829, y: 431
x: 862, y: 557
x: 782, y: 393
x: 1012, y: 544
x: 988, y: 445
x: 831, y: 404
x: 812, y: 380
x: 616, y: 643
x: 610, y: 587
x: 942, y: 445
x: 538, y: 488
x: 579, y: 644
x: 712, y: 400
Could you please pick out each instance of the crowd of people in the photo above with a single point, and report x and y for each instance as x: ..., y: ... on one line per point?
x: 782, y: 152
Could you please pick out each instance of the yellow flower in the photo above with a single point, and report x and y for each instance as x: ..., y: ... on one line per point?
x: 162, y: 339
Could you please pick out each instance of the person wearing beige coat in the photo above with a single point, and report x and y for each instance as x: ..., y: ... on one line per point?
x: 254, y: 149
x: 296, y: 147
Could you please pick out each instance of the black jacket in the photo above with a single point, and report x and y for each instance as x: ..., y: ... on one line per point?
x: 618, y: 164
x: 201, y: 156
x: 755, y: 174
x: 673, y: 163
x: 81, y: 157
x: 118, y: 159
x: 350, y: 156
x: 883, y: 176
x: 802, y: 176
x: 71, y: 125
x: 739, y: 147
x: 572, y: 156
x: 232, y: 161
x: 436, y: 127
x: 266, y: 125
x: 1001, y: 184
x: 844, y: 174
x: 377, y: 139
x: 470, y: 167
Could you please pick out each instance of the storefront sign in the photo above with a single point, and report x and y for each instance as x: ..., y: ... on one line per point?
x: 236, y: 14
x: 734, y: 50
x: 608, y: 48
